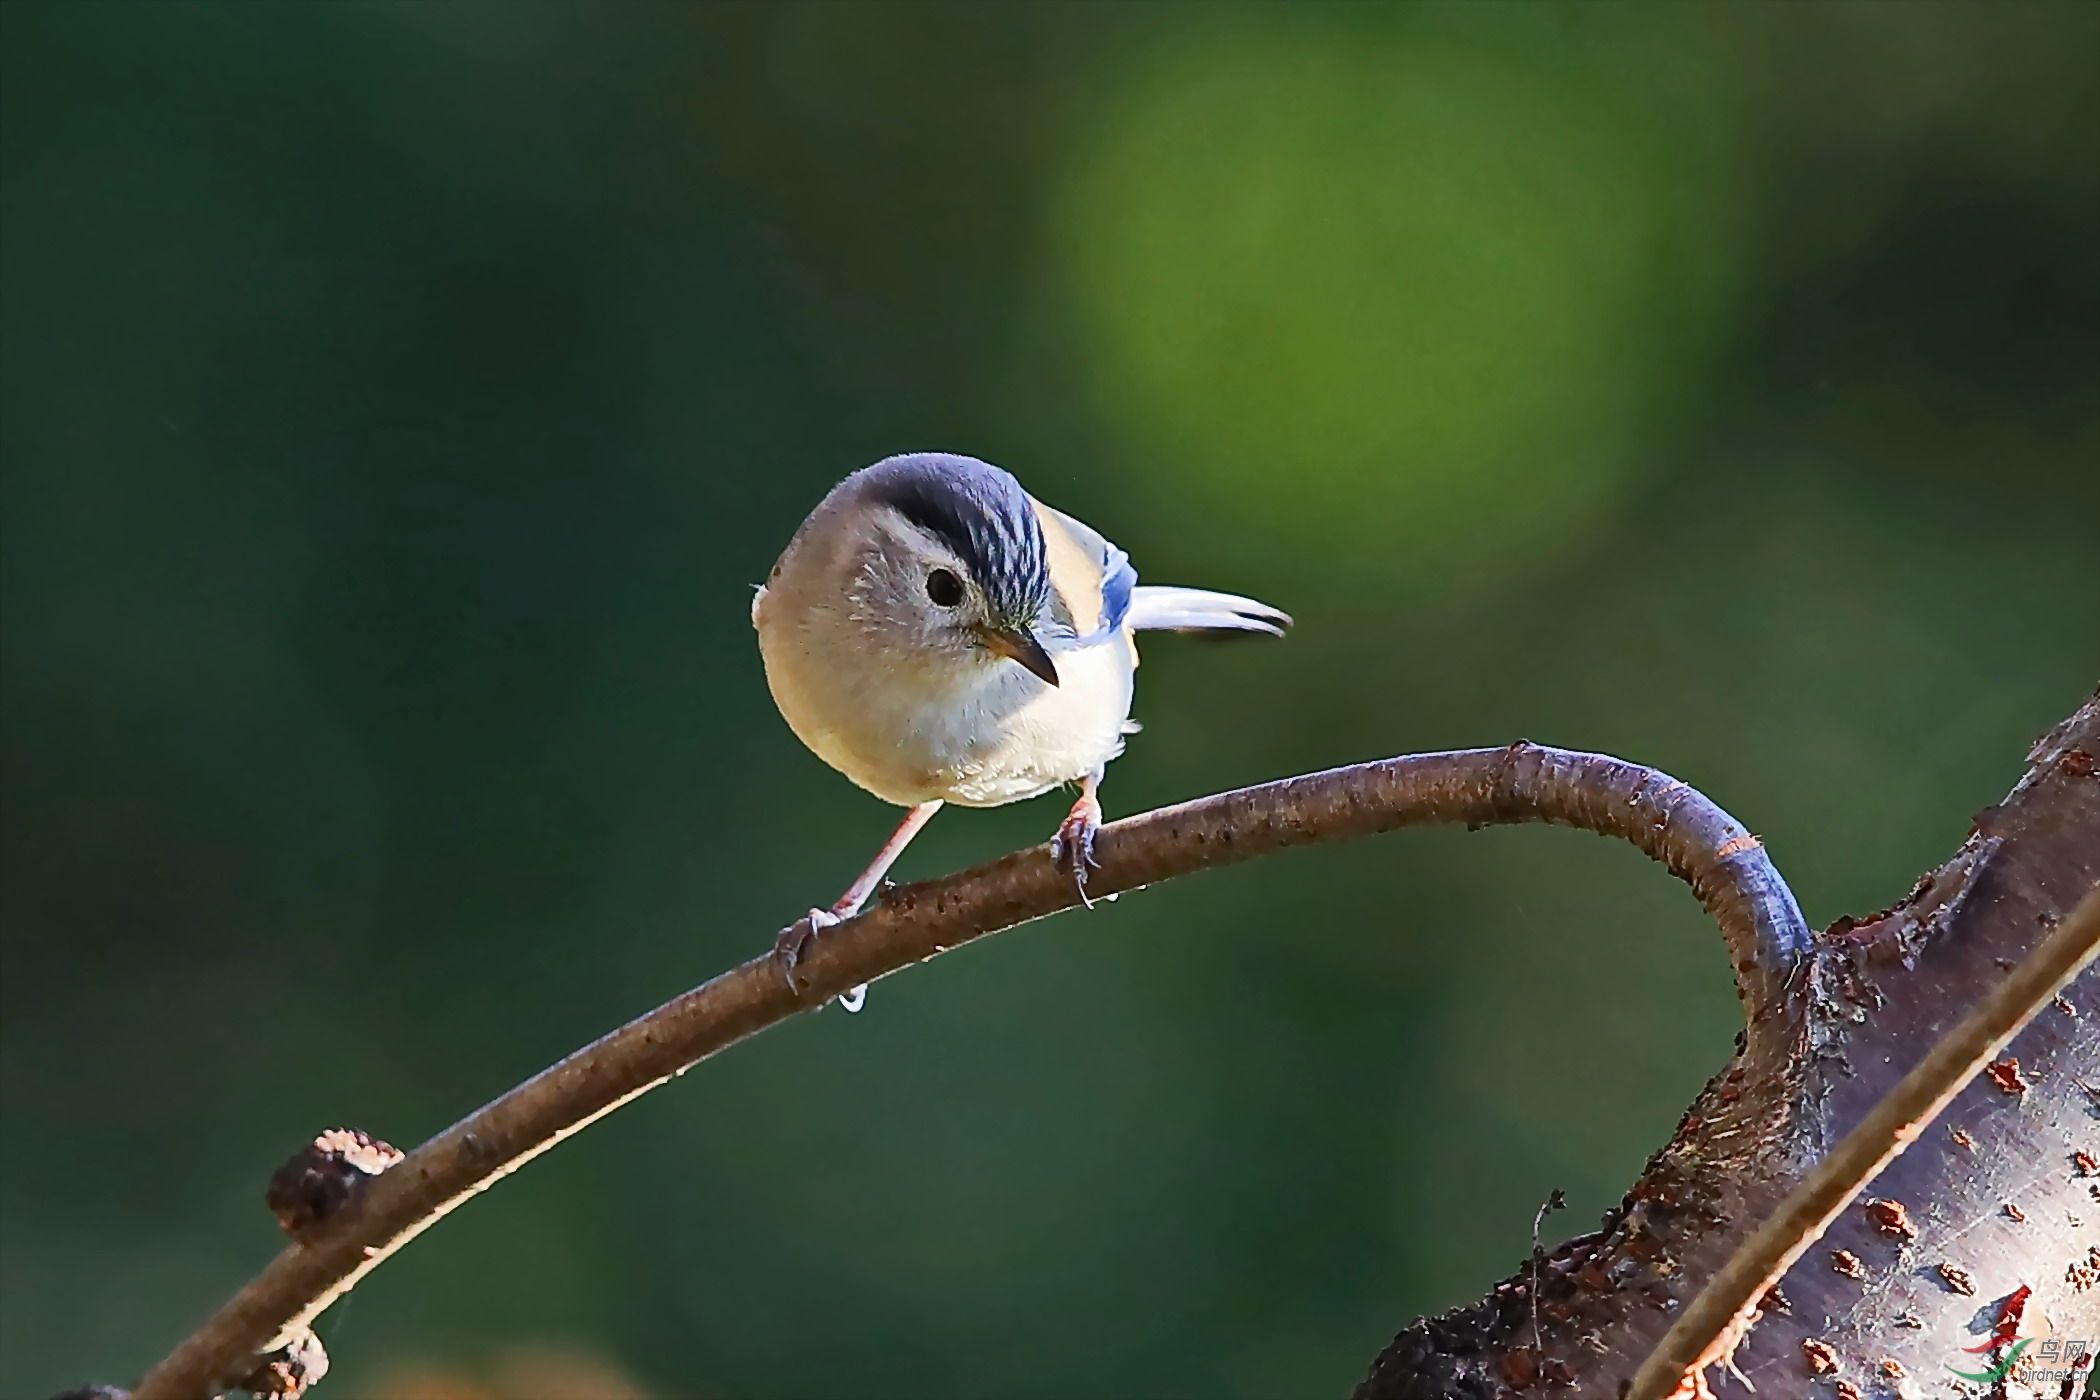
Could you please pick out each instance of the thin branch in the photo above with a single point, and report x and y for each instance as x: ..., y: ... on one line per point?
x: 1725, y: 866
x: 1708, y: 1331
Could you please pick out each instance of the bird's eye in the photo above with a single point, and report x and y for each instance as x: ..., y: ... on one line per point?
x: 944, y: 588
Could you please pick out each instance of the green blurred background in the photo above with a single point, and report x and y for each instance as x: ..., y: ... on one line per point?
x: 400, y: 400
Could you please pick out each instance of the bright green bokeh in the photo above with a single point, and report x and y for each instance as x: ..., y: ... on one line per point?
x: 1421, y: 302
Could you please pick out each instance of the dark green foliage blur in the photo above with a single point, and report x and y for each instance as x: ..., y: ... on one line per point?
x: 400, y: 400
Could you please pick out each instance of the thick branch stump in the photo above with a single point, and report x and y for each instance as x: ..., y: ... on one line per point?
x: 2000, y: 1196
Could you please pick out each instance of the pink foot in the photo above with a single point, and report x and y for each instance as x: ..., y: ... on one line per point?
x: 794, y: 941
x: 1073, y: 846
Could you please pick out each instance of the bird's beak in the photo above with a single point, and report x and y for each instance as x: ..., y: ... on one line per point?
x: 1019, y: 644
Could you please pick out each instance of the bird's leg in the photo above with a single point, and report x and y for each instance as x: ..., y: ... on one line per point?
x: 1073, y: 846
x: 794, y: 939
x: 849, y: 903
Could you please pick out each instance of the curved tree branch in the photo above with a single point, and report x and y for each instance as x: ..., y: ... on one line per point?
x: 1724, y: 864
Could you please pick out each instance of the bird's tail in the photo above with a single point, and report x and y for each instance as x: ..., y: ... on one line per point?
x: 1164, y: 609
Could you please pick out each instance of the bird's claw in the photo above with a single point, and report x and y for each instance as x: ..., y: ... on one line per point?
x: 794, y: 941
x: 1073, y: 848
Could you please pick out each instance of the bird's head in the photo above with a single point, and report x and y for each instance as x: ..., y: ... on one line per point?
x: 953, y: 559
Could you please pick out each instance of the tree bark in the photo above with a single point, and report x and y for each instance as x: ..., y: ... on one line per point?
x: 1993, y: 1212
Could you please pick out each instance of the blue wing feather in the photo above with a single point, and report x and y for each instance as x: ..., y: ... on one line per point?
x: 1099, y: 568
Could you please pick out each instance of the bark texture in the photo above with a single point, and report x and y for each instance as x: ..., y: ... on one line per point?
x: 1995, y: 1209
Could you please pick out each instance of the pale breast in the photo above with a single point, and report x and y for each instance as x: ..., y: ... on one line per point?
x: 977, y: 733
x: 1028, y: 738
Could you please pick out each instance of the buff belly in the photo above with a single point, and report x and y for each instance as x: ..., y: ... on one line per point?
x: 978, y: 734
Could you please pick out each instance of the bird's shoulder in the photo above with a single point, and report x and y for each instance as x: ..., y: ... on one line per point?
x: 1091, y: 580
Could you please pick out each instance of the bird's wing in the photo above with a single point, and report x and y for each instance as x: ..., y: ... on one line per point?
x: 1091, y: 581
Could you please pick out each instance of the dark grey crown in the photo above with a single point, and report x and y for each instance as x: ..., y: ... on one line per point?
x: 979, y: 512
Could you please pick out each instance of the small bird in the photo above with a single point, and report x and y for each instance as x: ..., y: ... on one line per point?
x: 938, y: 635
